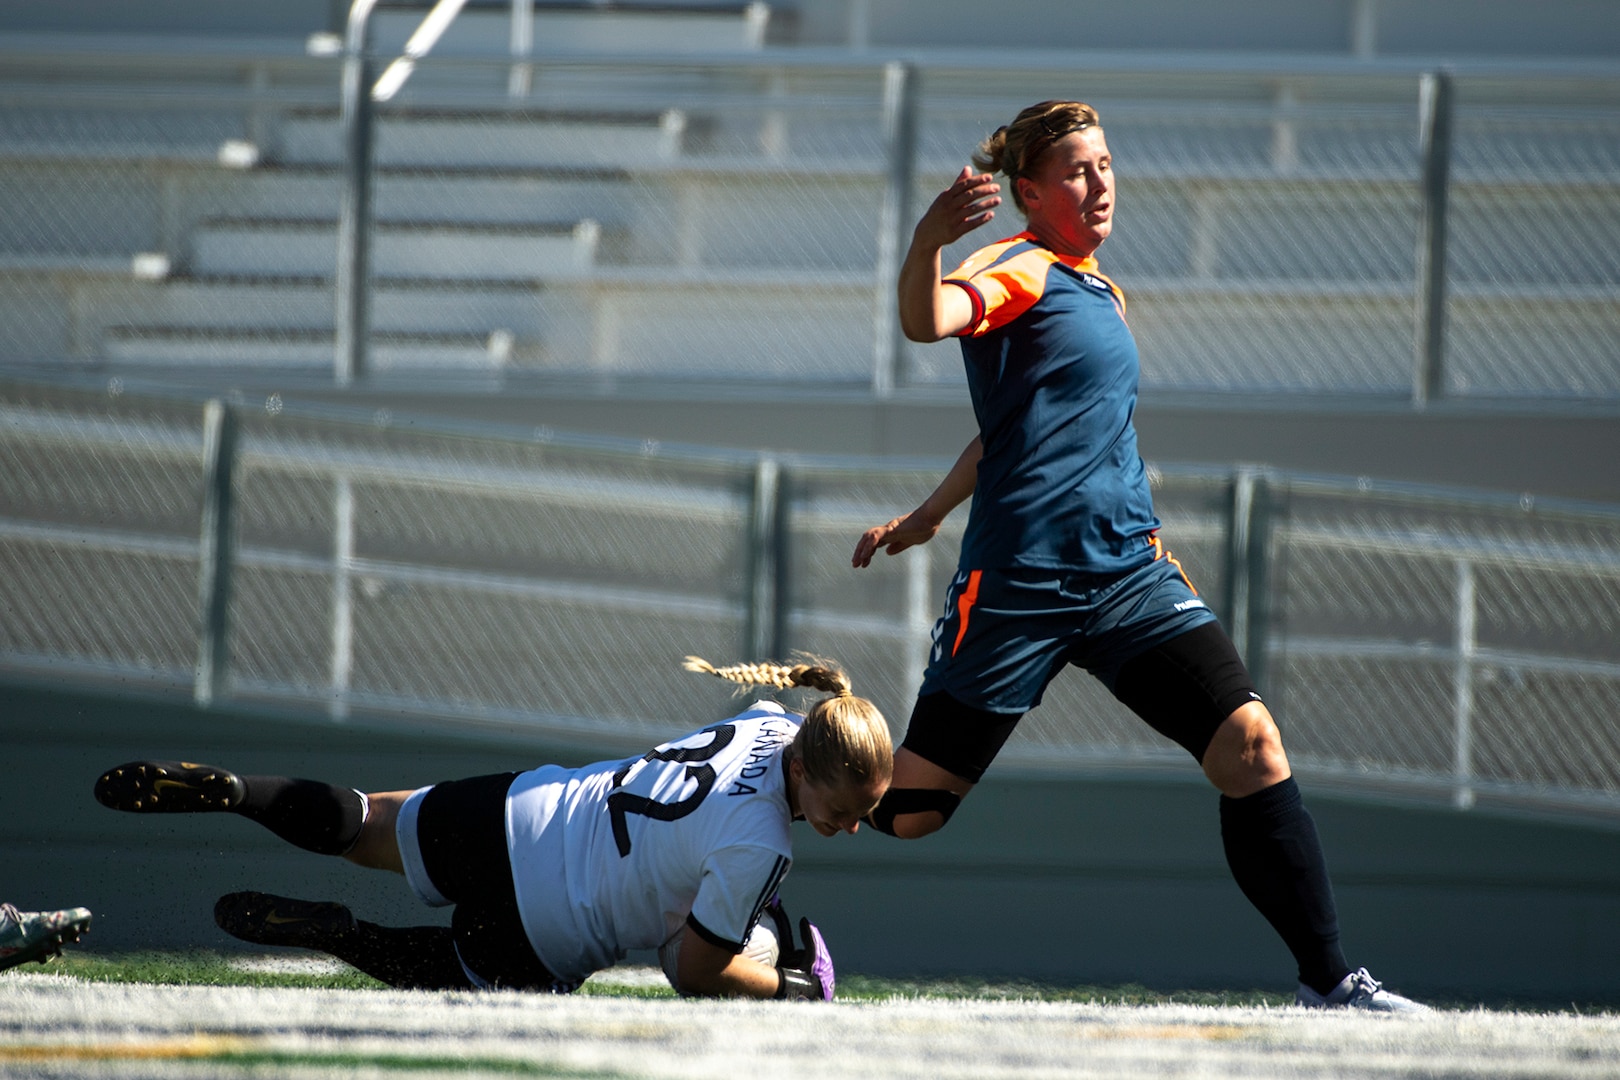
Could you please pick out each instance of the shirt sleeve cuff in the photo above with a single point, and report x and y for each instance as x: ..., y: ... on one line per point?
x: 976, y: 298
x: 711, y: 937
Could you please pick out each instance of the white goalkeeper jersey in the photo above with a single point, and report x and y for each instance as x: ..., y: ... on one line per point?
x: 619, y: 855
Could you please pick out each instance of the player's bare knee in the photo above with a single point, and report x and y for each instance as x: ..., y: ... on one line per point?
x: 1262, y: 742
x: 1247, y: 753
x: 917, y: 826
x: 378, y: 847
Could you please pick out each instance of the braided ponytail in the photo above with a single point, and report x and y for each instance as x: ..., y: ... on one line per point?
x: 823, y: 677
x: 844, y: 739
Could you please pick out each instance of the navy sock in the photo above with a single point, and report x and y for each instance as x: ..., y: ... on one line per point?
x: 316, y: 817
x: 1276, y: 857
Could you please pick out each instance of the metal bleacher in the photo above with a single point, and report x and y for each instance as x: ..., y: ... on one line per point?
x: 678, y: 191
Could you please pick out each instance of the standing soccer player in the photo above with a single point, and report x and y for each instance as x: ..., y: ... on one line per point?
x: 1061, y: 561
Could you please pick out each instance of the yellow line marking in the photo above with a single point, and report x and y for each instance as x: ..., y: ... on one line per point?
x: 196, y: 1046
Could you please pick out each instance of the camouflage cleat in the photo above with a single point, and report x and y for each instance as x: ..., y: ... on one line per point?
x: 264, y: 919
x: 38, y: 935
x: 169, y: 787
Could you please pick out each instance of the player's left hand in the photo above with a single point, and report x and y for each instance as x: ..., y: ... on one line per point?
x: 893, y: 537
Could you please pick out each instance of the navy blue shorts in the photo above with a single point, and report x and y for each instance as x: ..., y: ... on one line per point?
x: 1006, y: 634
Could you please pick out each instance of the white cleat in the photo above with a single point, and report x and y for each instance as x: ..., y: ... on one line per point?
x: 1358, y: 990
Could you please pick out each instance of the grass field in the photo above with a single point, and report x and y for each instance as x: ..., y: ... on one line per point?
x: 294, y: 969
x: 164, y: 1015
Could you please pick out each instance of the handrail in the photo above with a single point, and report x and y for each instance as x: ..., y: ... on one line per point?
x: 420, y: 44
x: 353, y: 286
x: 351, y: 348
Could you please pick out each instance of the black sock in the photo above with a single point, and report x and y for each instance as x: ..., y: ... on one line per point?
x: 1276, y: 857
x: 405, y: 957
x: 315, y: 816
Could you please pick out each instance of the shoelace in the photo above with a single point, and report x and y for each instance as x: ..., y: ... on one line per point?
x: 1365, y: 984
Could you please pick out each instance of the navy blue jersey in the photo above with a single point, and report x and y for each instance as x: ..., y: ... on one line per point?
x: 1053, y: 372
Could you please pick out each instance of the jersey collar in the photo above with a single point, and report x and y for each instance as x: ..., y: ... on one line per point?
x: 1086, y: 263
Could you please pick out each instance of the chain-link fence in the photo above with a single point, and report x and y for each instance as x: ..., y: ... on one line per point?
x: 380, y: 572
x: 739, y: 217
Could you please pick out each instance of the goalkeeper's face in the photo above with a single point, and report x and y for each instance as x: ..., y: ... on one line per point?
x: 832, y: 809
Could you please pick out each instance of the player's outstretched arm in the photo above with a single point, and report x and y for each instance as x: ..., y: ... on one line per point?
x: 920, y: 526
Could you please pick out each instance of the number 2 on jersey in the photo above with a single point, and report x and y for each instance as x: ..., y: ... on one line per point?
x: 621, y: 804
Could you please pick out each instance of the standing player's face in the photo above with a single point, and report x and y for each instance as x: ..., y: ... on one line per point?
x: 1069, y: 198
x: 831, y: 810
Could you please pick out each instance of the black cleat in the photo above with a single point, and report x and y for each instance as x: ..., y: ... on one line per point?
x: 264, y: 919
x: 169, y: 787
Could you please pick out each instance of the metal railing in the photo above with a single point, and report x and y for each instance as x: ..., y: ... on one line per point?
x: 359, y: 569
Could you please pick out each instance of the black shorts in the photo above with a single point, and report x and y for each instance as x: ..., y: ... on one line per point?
x: 1184, y: 688
x: 461, y: 833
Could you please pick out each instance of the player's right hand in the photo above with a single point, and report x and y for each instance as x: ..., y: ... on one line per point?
x: 969, y: 202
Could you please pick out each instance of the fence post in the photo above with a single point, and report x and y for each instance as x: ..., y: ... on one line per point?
x: 858, y: 24
x: 1247, y: 551
x: 353, y: 287
x: 342, y: 597
x: 215, y: 554
x: 900, y: 131
x: 1463, y: 688
x: 766, y: 539
x: 521, y: 78
x: 1435, y: 109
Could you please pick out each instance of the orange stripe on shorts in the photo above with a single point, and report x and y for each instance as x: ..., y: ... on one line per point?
x: 964, y: 608
x: 1159, y: 552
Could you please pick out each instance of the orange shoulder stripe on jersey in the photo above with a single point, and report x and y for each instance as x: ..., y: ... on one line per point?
x: 1160, y: 552
x: 1010, y: 287
x: 964, y: 608
x: 988, y: 255
x: 1005, y: 279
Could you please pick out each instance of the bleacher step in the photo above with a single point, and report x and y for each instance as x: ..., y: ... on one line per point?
x: 437, y: 251
x: 665, y: 30
x: 522, y: 141
x: 312, y: 350
x: 256, y: 305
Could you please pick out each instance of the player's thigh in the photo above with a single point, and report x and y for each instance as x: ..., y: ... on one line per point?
x: 913, y: 771
x: 1186, y: 687
x: 494, y: 947
x: 949, y: 744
